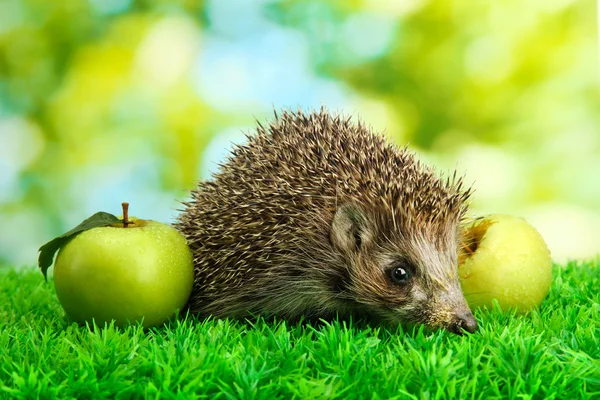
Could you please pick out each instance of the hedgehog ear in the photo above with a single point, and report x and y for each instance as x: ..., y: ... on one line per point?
x: 350, y: 229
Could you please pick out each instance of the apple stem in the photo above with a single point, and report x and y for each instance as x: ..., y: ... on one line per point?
x: 125, y: 206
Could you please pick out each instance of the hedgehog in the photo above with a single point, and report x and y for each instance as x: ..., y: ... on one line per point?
x: 317, y: 216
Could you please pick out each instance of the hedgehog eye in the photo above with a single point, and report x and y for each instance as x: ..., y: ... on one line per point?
x: 399, y: 275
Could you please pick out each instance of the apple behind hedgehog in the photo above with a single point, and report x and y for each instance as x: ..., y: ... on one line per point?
x: 504, y: 258
x: 130, y: 270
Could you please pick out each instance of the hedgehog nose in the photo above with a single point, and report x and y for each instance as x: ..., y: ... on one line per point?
x: 464, y: 321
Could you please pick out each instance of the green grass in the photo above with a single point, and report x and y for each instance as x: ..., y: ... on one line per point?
x: 553, y: 353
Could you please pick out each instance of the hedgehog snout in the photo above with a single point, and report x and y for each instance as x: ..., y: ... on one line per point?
x: 451, y: 310
x: 463, y: 321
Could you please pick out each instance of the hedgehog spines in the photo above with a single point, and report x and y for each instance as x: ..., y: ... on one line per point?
x: 268, y: 211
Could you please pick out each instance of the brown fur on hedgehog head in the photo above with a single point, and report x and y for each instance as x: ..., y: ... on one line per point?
x: 316, y: 215
x: 397, y: 276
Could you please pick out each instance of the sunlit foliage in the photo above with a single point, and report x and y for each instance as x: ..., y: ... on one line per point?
x: 105, y: 101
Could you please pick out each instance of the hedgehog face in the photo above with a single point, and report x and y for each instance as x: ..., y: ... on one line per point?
x: 400, y: 278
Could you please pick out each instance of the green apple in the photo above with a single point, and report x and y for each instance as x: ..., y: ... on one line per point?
x: 504, y: 258
x: 136, y: 270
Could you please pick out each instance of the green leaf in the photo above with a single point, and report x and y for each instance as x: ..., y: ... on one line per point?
x: 48, y: 250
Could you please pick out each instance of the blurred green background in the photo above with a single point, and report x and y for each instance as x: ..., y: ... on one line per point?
x: 104, y: 101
